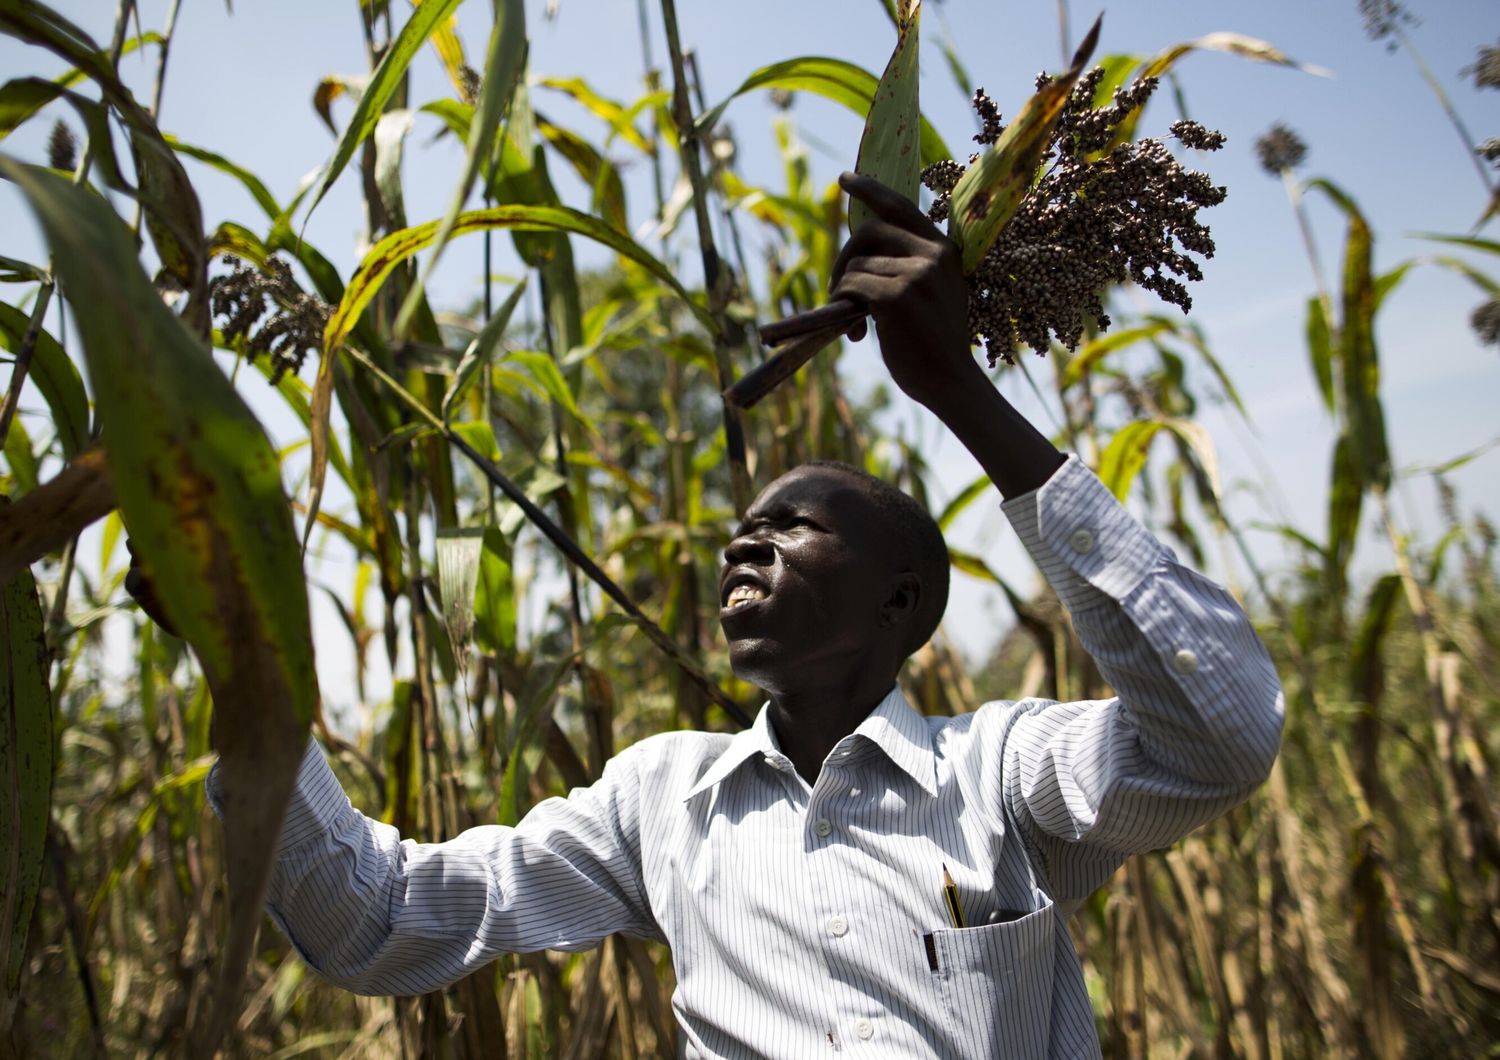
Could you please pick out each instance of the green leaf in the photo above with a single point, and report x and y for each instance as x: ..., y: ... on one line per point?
x: 607, y: 110
x: 398, y: 246
x: 198, y: 485
x: 1320, y: 350
x: 550, y: 378
x: 18, y: 455
x: 23, y: 97
x: 495, y: 596
x: 988, y: 194
x: 504, y: 63
x: 889, y: 148
x: 1125, y: 455
x: 25, y: 775
x: 1092, y: 352
x: 1358, y: 359
x: 251, y: 183
x: 970, y: 493
x: 55, y: 375
x: 1488, y: 246
x: 536, y: 696
x: 599, y: 173
x: 480, y: 351
x: 15, y: 271
x: 1345, y: 499
x: 842, y: 82
x: 424, y: 21
x: 1366, y: 659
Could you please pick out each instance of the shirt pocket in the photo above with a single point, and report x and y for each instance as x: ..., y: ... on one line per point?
x: 996, y: 983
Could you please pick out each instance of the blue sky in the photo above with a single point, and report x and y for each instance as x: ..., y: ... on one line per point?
x: 241, y: 83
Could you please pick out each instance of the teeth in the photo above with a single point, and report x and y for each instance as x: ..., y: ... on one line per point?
x: 744, y: 593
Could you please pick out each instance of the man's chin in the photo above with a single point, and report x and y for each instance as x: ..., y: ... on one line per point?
x: 757, y: 660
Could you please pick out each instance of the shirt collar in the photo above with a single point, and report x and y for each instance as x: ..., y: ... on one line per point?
x: 893, y: 726
x: 904, y: 736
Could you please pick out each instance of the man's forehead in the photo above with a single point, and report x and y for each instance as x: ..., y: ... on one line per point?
x: 811, y: 484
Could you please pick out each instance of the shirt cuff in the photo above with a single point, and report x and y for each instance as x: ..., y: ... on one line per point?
x: 316, y: 803
x: 1089, y: 548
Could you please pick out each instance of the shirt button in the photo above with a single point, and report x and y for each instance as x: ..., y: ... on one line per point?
x: 838, y: 926
x: 864, y: 1029
x: 823, y: 827
x: 1081, y: 541
x: 1185, y: 662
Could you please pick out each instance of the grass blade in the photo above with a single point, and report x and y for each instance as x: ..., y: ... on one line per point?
x: 423, y: 23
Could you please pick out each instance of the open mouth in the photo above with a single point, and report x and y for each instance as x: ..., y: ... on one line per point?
x: 741, y: 591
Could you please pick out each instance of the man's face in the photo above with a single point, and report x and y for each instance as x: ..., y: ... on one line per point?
x: 803, y: 581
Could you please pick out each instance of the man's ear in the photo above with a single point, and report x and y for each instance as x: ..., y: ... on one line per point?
x: 903, y: 595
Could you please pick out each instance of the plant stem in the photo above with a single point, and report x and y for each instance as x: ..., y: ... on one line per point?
x: 1447, y: 104
x: 713, y: 274
x: 22, y: 363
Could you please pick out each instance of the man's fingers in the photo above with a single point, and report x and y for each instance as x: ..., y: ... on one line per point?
x: 888, y: 204
x: 869, y: 288
x: 878, y: 238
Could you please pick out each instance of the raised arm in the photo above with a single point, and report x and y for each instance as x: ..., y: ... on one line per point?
x: 380, y: 915
x: 1197, y: 720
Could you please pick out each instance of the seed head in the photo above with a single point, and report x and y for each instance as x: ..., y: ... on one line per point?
x: 62, y: 147
x: 1486, y: 68
x: 1490, y: 150
x: 989, y: 118
x: 1486, y: 322
x: 1383, y: 18
x: 1195, y: 136
x: 1106, y: 210
x: 1280, y: 150
x: 783, y: 98
x: 239, y: 301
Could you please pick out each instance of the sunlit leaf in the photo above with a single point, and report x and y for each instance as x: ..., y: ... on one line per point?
x: 842, y: 82
x: 1320, y: 349
x: 424, y: 20
x: 398, y: 246
x: 505, y: 62
x: 479, y: 352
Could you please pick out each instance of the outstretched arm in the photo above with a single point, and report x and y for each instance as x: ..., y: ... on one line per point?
x: 1197, y: 720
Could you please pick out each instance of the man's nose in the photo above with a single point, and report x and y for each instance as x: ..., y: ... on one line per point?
x: 748, y: 548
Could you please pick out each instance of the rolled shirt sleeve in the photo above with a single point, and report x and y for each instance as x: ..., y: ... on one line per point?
x: 378, y: 915
x: 1196, y: 722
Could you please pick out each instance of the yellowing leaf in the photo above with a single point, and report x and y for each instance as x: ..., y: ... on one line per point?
x: 987, y: 195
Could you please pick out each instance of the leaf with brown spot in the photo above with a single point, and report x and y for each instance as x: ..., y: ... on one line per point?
x: 199, y: 489
x: 889, y: 148
x: 987, y: 195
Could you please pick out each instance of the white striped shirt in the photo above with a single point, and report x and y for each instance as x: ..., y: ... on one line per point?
x: 810, y: 921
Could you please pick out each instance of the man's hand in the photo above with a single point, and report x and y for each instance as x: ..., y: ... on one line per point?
x: 909, y: 274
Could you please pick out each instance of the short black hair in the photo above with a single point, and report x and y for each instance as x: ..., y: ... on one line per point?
x: 915, y: 536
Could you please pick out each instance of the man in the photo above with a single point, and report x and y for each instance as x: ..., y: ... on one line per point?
x: 800, y: 870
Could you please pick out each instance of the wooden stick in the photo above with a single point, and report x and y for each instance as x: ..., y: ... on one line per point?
x: 756, y: 384
x: 841, y: 313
